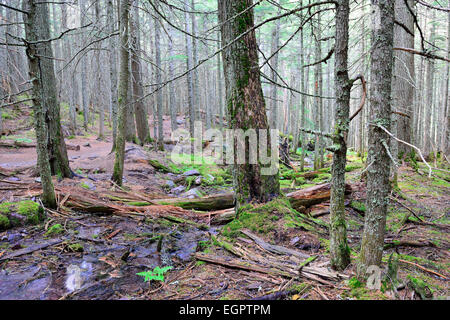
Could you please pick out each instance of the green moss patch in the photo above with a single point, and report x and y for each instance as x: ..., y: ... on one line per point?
x: 4, y: 222
x: 31, y: 212
x: 258, y: 219
x: 54, y: 230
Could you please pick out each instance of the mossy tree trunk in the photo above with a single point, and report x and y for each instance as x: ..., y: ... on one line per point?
x: 37, y: 29
x: 378, y: 186
x: 244, y: 97
x: 339, y: 250
x: 57, y: 152
x: 124, y: 75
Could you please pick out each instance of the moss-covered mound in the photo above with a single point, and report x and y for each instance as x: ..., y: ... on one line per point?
x: 14, y: 214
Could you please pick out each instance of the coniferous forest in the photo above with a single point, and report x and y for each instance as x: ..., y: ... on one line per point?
x: 224, y: 150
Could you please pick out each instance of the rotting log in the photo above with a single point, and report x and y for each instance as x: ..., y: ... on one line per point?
x: 313, y: 195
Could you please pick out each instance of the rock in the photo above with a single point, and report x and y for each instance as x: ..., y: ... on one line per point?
x: 210, y: 177
x: 38, y: 179
x: 198, y: 180
x: 135, y: 154
x: 93, y: 157
x: 169, y: 184
x: 89, y: 185
x: 14, y: 237
x: 178, y: 190
x: 13, y: 179
x: 294, y: 241
x: 193, y: 172
x: 180, y: 121
x: 191, y: 194
x: 87, y: 144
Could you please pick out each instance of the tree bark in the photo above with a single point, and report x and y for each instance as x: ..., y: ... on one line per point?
x: 339, y: 249
x: 36, y: 29
x: 245, y: 101
x: 123, y: 91
x: 378, y: 186
x: 112, y: 43
x: 140, y: 113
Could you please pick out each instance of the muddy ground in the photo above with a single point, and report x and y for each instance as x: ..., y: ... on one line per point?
x: 97, y: 256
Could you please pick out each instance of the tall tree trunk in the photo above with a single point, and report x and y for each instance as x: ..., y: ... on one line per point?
x: 84, y: 86
x: 172, y: 99
x: 189, y: 78
x: 140, y: 112
x: 318, y: 115
x: 124, y: 75
x: 57, y: 153
x: 159, y: 93
x: 99, y: 102
x: 275, y: 43
x: 404, y: 77
x: 428, y: 107
x: 339, y: 249
x: 378, y: 186
x: 37, y: 29
x: 112, y: 44
x: 445, y: 143
x: 245, y: 101
x: 68, y: 78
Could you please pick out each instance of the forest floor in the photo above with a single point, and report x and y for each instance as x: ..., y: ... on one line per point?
x: 101, y: 236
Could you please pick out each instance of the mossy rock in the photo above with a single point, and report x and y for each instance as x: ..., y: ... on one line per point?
x: 14, y: 214
x: 420, y: 287
x: 258, y: 219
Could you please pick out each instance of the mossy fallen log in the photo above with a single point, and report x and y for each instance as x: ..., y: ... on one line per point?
x: 214, y: 202
x: 312, y: 195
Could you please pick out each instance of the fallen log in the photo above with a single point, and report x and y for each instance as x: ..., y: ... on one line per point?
x: 31, y: 249
x: 299, y: 199
x: 214, y: 202
x: 15, y: 143
x: 312, y: 195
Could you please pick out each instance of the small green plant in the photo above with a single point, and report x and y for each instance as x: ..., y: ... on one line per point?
x: 157, y: 274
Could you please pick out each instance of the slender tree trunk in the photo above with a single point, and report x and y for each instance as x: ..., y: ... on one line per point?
x: 339, y: 249
x: 123, y: 91
x: 36, y: 28
x: 428, y: 107
x: 159, y: 93
x: 84, y: 87
x: 378, y: 186
x: 445, y: 145
x: 245, y: 101
x: 274, y: 63
x: 99, y: 102
x: 140, y: 111
x: 189, y: 65
x: 172, y: 99
x: 404, y: 77
x: 112, y: 43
